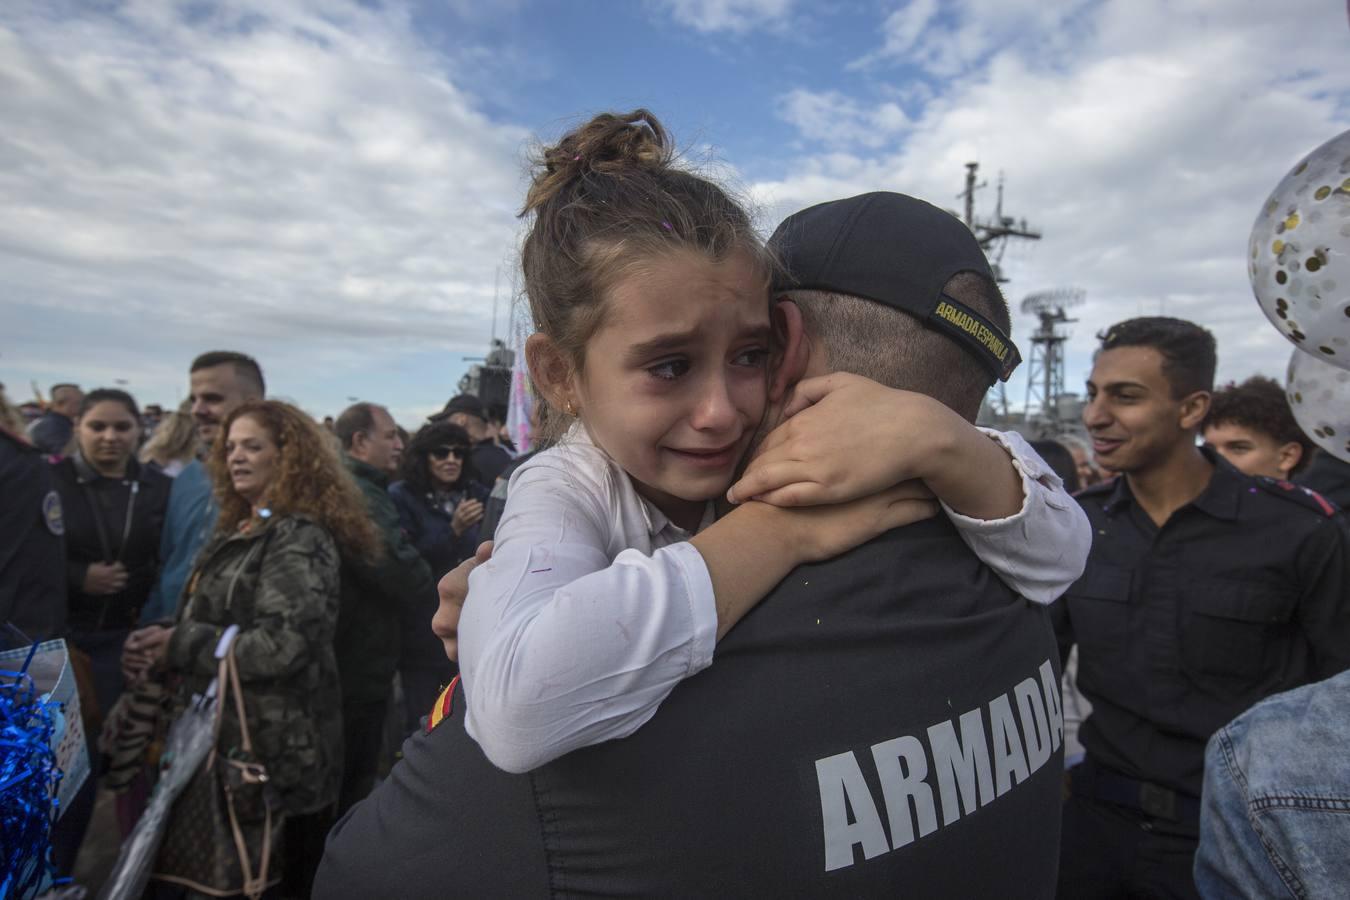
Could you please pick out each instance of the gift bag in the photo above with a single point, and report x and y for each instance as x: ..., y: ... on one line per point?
x: 51, y: 672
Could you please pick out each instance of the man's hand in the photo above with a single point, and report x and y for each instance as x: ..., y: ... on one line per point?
x: 468, y: 514
x: 101, y: 579
x: 144, y: 649
x: 453, y: 589
x: 846, y: 437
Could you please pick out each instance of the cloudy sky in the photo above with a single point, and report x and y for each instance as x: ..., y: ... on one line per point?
x: 332, y: 185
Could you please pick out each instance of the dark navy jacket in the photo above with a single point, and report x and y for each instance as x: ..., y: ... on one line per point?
x: 884, y: 724
x: 428, y: 529
x: 32, y: 544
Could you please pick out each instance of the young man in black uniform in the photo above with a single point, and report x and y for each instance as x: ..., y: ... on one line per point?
x: 1206, y: 591
x: 885, y: 723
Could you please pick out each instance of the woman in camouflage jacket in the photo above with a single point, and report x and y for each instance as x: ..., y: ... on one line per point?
x: 288, y: 509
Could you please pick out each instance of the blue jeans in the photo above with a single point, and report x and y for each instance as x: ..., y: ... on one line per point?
x: 1275, y: 815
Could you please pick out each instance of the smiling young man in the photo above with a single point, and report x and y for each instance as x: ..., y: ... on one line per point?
x: 1206, y: 590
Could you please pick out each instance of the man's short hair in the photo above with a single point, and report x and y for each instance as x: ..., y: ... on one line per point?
x: 245, y: 366
x: 357, y: 418
x: 64, y: 386
x: 1259, y: 403
x: 1188, y: 351
x: 854, y: 331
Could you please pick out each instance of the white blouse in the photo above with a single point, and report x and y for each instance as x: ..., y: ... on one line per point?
x: 594, y: 605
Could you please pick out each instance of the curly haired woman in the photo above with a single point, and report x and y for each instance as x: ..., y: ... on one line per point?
x: 287, y: 510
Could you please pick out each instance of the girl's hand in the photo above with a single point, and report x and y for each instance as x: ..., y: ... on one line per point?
x: 824, y: 532
x: 846, y: 437
x: 468, y: 514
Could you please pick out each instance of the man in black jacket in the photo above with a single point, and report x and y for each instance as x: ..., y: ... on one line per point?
x: 366, y: 642
x: 886, y: 722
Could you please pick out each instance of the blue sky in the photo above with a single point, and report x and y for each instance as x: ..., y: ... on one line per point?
x: 331, y: 185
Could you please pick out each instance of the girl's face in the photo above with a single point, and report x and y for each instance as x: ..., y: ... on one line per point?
x: 253, y: 458
x: 445, y: 462
x: 108, y: 434
x: 674, y: 382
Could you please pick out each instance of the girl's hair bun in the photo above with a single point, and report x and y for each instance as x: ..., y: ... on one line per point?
x: 608, y: 144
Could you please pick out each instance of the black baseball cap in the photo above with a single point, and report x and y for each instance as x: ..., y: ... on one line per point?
x: 465, y: 403
x: 897, y: 250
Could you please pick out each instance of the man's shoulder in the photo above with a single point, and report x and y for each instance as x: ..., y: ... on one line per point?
x: 1289, y: 496
x: 443, y: 785
x: 1096, y: 496
x: 923, y: 570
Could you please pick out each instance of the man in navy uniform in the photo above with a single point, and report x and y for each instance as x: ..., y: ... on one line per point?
x: 885, y: 722
x: 32, y: 543
x: 1206, y: 591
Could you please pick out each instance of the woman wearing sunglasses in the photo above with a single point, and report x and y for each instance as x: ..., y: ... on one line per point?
x: 440, y: 503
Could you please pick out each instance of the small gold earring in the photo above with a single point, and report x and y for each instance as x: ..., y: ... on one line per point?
x: 570, y: 410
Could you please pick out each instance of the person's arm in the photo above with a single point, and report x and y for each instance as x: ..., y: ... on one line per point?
x: 847, y: 436
x: 1040, y: 550
x: 1324, y: 604
x: 561, y: 648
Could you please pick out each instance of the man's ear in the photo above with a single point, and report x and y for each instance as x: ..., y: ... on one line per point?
x: 1194, y: 408
x: 551, y: 371
x: 794, y: 351
x: 1290, y: 455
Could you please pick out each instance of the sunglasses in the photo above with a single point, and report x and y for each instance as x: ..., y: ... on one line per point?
x: 443, y: 452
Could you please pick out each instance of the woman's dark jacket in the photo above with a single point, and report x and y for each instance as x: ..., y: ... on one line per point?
x: 428, y: 525
x: 375, y: 596
x: 98, y: 529
x: 428, y: 528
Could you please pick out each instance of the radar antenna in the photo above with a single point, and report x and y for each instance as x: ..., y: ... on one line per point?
x: 1045, y: 367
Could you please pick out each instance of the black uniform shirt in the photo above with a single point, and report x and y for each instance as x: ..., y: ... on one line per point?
x: 1242, y: 593
x: 883, y: 724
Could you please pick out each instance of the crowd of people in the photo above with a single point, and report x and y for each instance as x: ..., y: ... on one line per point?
x: 762, y: 613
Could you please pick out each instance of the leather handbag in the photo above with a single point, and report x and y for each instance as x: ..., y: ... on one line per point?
x: 224, y: 835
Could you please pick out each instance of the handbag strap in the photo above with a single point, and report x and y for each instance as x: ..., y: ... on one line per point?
x: 227, y: 678
x: 253, y: 887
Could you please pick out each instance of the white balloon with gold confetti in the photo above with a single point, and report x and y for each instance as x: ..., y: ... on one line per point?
x: 1299, y: 254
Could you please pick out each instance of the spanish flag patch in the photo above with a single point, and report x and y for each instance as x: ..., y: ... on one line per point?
x: 445, y: 705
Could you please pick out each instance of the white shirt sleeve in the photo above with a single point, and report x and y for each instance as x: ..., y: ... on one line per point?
x: 560, y: 648
x: 1041, y: 549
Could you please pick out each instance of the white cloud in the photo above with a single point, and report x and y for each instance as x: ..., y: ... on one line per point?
x: 946, y: 40
x: 833, y: 118
x: 280, y: 174
x: 737, y: 16
x: 1143, y: 152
